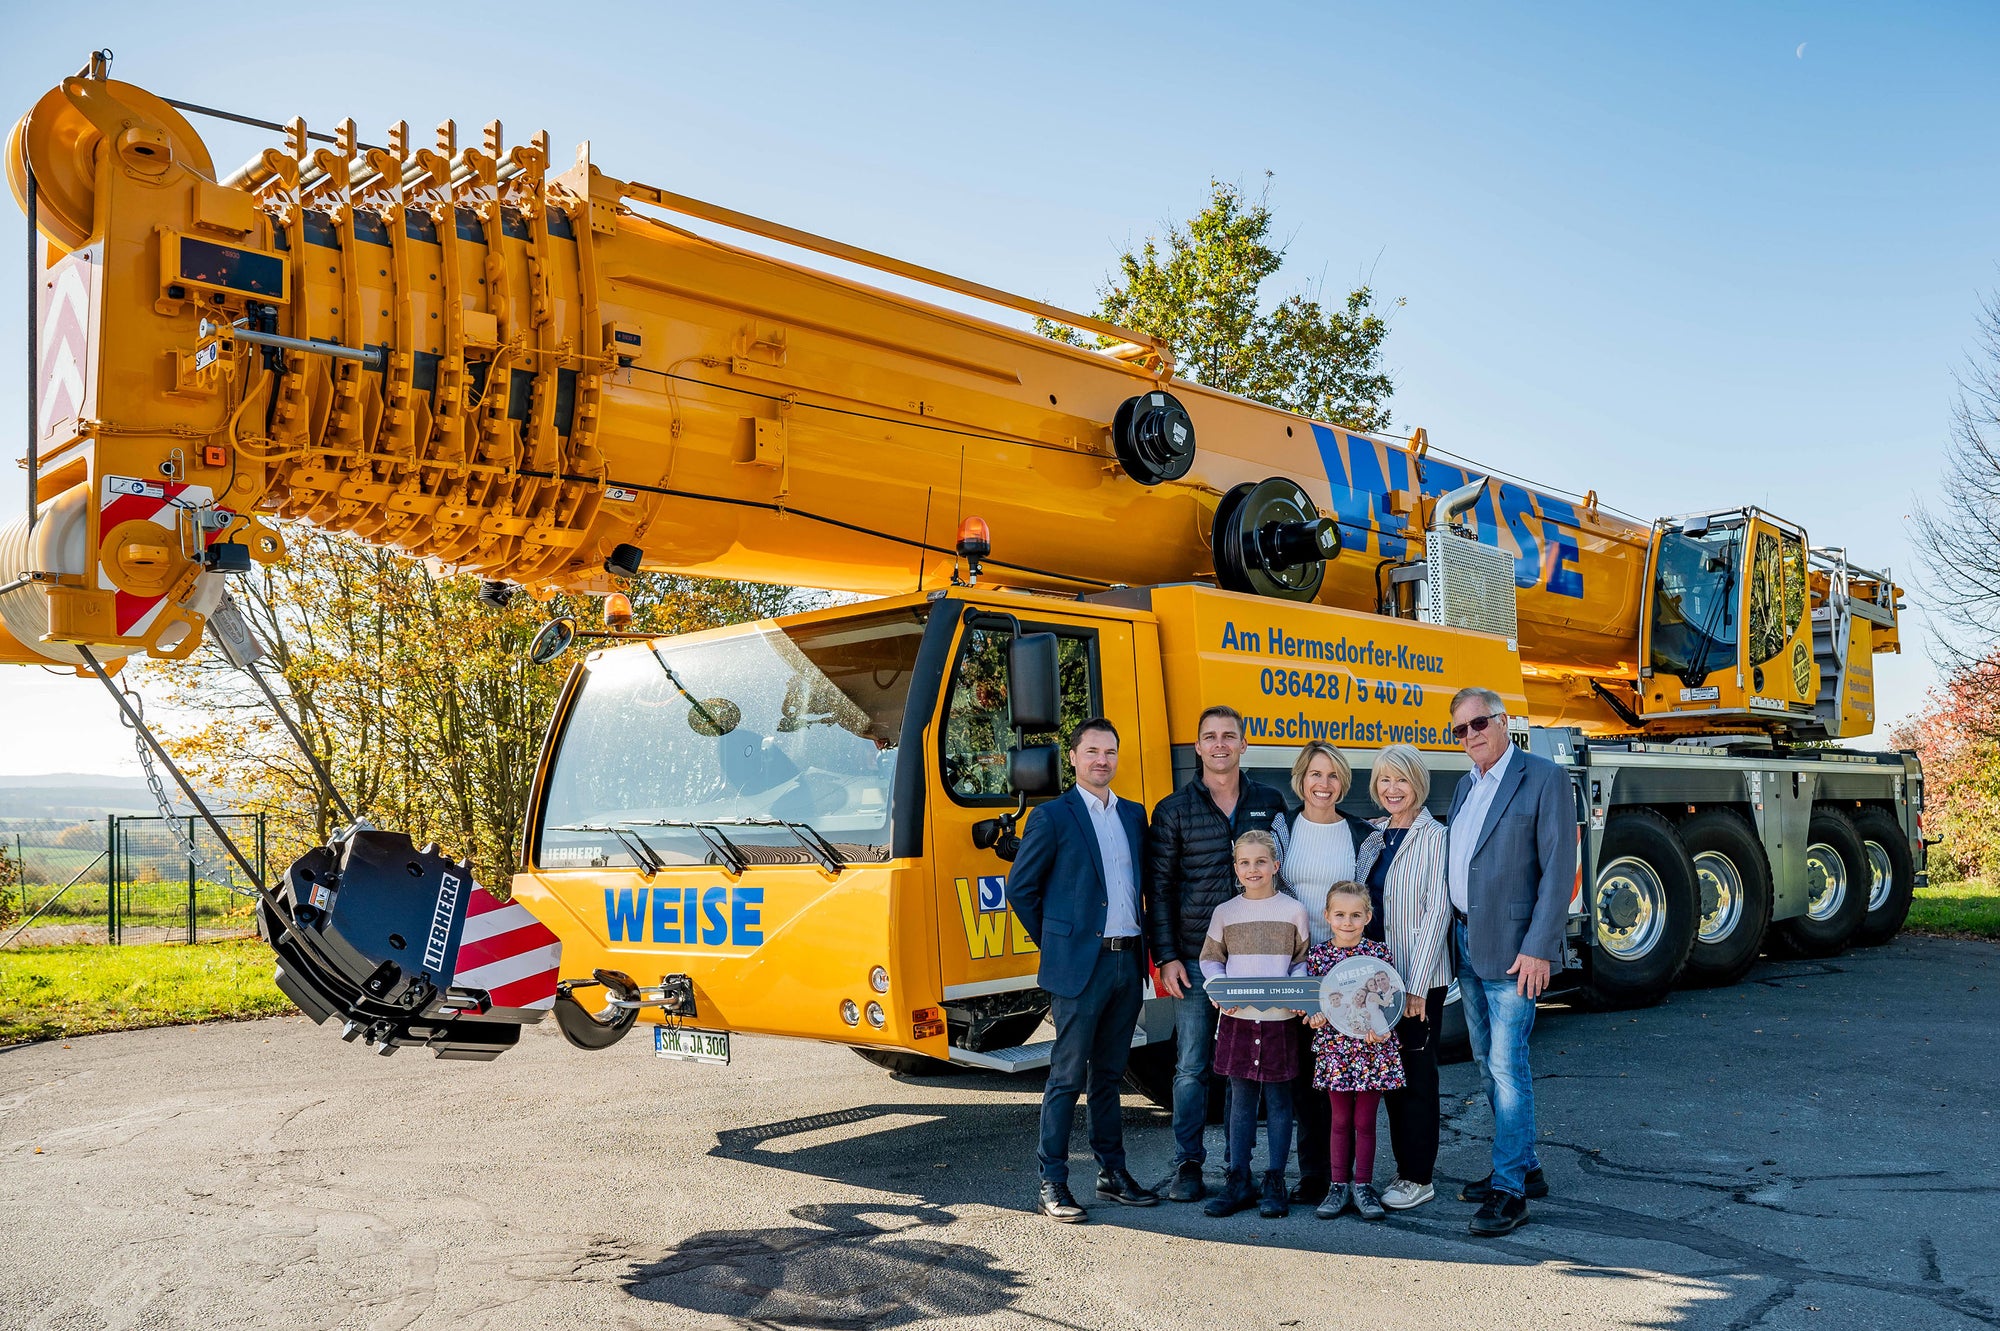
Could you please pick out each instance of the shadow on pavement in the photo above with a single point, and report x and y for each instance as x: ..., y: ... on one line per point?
x: 849, y: 1266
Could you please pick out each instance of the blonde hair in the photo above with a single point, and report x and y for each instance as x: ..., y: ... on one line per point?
x: 1256, y: 837
x: 1347, y: 887
x: 1316, y: 749
x: 1407, y: 762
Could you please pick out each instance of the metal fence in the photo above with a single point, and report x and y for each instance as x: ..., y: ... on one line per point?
x: 128, y: 878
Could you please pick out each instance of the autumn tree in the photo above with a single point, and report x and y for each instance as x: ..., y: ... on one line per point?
x: 1200, y: 290
x: 413, y: 693
x: 1958, y: 536
x: 1953, y: 737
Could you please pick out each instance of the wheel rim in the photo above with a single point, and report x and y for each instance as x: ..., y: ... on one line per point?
x: 1882, y: 874
x: 1721, y: 887
x: 1826, y: 881
x: 1630, y: 908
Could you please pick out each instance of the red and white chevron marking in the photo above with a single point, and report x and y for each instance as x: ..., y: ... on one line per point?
x: 128, y: 499
x: 507, y: 952
x: 65, y: 338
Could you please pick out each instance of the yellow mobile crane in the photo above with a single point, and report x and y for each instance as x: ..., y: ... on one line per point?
x: 795, y: 826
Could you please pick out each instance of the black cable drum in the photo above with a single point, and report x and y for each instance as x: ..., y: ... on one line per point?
x: 1154, y: 438
x: 1270, y: 540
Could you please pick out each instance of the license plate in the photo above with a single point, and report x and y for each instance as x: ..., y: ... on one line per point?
x: 690, y: 1045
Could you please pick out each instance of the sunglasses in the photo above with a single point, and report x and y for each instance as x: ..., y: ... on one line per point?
x: 1477, y: 723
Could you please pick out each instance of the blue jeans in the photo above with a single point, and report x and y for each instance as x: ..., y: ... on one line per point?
x: 1243, y: 1097
x: 1194, y: 1036
x: 1093, y: 1044
x: 1498, y: 1021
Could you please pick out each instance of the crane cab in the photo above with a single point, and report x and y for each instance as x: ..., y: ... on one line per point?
x: 1743, y: 620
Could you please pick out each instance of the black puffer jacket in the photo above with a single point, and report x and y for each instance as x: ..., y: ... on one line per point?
x: 1190, y: 869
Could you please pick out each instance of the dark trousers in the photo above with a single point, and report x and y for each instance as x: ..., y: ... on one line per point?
x: 1413, y: 1111
x: 1093, y: 1042
x: 1315, y: 1122
x: 1276, y: 1098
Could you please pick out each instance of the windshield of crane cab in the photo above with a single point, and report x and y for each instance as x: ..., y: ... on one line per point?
x: 1694, y: 603
x: 731, y: 737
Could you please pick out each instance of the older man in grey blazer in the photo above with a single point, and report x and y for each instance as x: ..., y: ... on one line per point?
x: 1510, y: 868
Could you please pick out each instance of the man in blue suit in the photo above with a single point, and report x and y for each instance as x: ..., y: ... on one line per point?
x: 1075, y: 889
x: 1510, y: 868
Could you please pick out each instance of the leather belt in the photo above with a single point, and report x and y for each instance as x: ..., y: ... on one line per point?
x: 1124, y: 943
x: 1461, y: 917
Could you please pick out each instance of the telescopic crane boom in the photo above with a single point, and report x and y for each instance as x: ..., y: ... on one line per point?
x: 546, y: 379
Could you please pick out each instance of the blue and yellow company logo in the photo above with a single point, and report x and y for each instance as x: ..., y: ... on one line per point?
x: 989, y: 926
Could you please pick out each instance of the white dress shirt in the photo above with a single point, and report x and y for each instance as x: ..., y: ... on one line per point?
x: 1121, y: 881
x: 1468, y: 824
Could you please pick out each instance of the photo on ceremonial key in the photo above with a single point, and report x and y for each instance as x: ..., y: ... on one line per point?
x: 1362, y: 997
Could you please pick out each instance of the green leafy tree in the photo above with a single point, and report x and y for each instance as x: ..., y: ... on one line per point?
x: 1200, y: 291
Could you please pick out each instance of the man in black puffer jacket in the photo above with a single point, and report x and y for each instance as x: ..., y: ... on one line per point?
x: 1190, y: 870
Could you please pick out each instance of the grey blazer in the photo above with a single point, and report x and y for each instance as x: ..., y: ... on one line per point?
x: 1523, y: 866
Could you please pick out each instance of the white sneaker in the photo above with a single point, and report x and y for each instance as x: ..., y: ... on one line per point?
x: 1403, y: 1194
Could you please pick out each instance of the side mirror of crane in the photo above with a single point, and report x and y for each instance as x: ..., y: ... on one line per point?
x: 1034, y: 682
x: 1035, y: 770
x: 553, y: 640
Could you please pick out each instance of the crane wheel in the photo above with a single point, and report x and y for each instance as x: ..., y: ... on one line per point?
x: 1643, y: 911
x: 1150, y: 1072
x: 1733, y: 891
x: 1892, y: 876
x: 1837, y: 878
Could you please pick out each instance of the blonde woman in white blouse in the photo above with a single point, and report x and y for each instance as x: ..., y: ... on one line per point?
x: 1316, y: 847
x: 1403, y: 864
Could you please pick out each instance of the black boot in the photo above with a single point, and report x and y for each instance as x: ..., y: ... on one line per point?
x: 1274, y: 1204
x: 1236, y: 1195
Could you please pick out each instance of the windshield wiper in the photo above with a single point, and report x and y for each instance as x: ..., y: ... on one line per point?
x: 650, y: 861
x: 816, y: 845
x: 731, y: 854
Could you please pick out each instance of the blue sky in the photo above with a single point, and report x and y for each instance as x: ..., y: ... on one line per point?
x: 1689, y: 257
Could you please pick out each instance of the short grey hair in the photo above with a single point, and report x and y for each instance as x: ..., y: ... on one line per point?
x: 1494, y: 702
x: 1407, y: 762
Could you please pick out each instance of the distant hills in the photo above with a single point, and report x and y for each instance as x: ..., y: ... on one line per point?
x: 73, y: 795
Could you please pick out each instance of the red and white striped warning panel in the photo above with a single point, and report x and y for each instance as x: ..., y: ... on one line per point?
x: 507, y: 952
x: 132, y: 499
x: 65, y: 338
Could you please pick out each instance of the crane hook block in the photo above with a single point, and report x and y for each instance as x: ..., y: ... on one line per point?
x: 1154, y: 438
x: 1269, y: 540
x: 406, y: 949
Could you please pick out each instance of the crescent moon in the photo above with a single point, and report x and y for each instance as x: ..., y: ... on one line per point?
x: 1801, y: 52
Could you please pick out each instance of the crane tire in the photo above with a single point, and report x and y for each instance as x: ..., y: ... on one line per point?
x: 1150, y: 1072
x: 1642, y: 913
x: 1733, y: 898
x: 1888, y: 849
x: 1837, y: 866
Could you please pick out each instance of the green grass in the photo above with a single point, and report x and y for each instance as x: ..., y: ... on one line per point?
x: 47, y: 992
x: 159, y: 902
x: 1969, y: 909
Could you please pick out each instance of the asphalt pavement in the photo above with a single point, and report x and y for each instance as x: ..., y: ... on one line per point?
x: 1814, y: 1148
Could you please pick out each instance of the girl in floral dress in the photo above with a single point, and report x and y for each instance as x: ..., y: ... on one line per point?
x: 1352, y: 1070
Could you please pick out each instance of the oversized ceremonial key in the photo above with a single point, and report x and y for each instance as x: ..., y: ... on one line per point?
x: 1274, y: 999
x: 1361, y: 997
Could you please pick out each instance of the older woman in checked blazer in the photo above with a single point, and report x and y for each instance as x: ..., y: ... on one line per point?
x: 1403, y: 864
